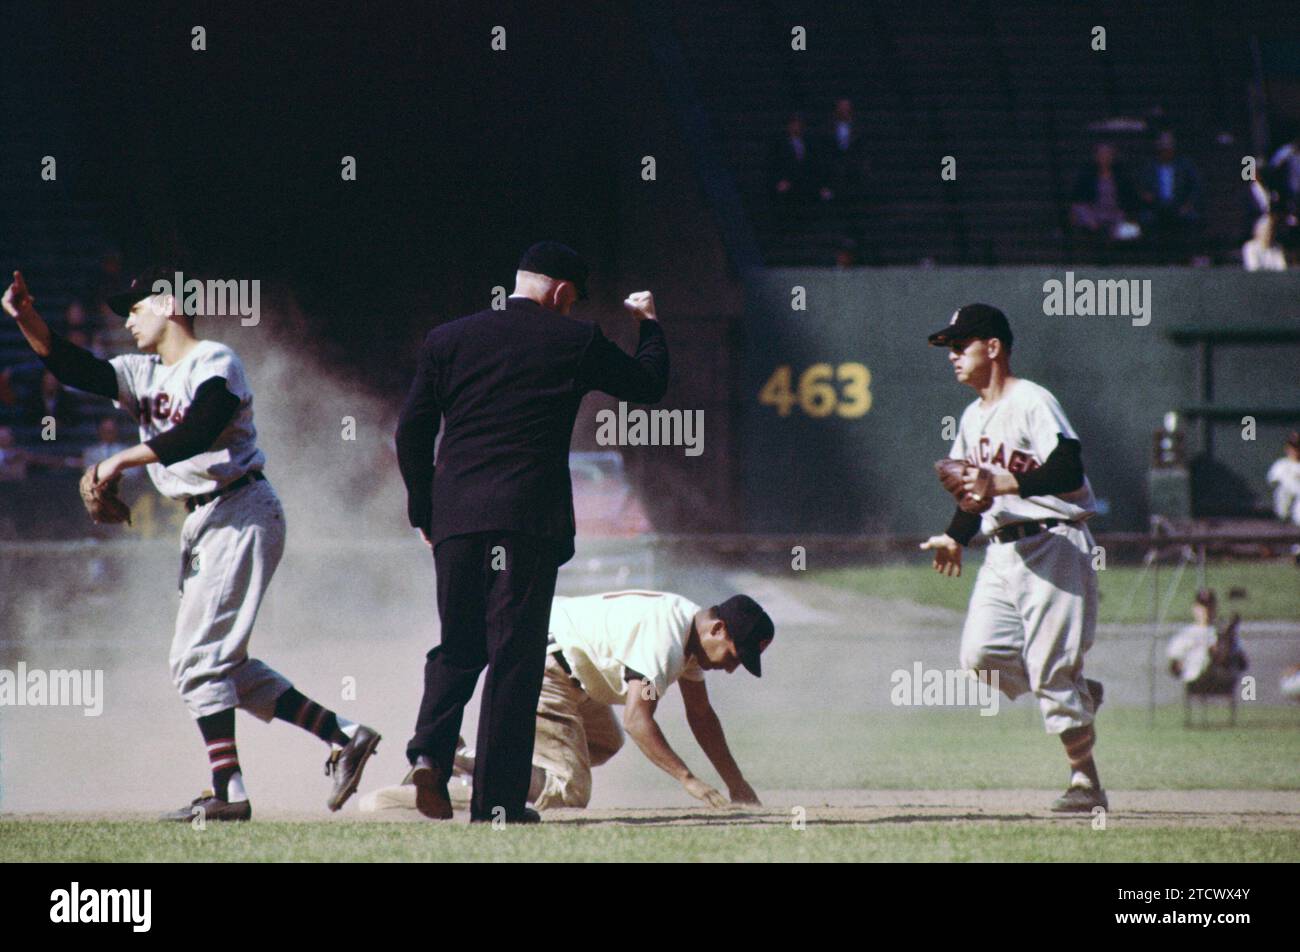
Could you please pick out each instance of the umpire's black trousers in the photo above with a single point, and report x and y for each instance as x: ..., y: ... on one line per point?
x: 494, y: 599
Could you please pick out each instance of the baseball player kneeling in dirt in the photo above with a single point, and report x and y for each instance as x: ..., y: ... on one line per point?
x: 194, y: 408
x: 627, y: 648
x: 1016, y: 471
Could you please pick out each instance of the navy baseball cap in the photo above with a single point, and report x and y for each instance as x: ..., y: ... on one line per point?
x: 974, y: 322
x: 141, y: 288
x: 749, y: 627
x: 558, y: 261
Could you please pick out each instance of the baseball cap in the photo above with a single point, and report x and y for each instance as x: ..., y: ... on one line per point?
x: 749, y: 627
x: 558, y: 261
x: 974, y: 322
x: 141, y: 287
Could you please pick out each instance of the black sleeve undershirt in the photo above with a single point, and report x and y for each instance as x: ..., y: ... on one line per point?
x: 212, y: 408
x: 964, y: 526
x: 78, y: 367
x: 1061, y: 472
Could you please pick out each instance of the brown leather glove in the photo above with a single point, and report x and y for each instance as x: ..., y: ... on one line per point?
x: 952, y: 473
x: 101, y: 499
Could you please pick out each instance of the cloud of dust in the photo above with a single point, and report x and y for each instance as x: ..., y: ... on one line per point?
x: 347, y: 618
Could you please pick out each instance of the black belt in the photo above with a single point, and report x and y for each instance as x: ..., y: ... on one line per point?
x: 1023, y: 530
x: 253, y: 476
x: 558, y: 655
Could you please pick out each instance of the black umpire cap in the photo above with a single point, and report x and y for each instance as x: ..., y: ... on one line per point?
x: 749, y: 627
x: 974, y: 322
x: 558, y: 261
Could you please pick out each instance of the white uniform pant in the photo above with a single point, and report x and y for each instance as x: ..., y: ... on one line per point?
x: 574, y: 734
x: 1032, y: 616
x: 230, y: 548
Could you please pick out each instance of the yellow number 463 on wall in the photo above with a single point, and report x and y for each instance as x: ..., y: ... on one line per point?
x: 816, y: 393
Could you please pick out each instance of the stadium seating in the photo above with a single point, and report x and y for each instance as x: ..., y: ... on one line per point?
x: 1012, y: 90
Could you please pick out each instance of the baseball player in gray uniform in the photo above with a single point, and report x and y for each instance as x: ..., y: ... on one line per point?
x: 626, y: 649
x: 1033, y: 612
x: 194, y: 408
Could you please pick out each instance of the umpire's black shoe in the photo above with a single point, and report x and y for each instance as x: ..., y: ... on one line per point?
x: 347, y: 763
x: 210, y: 807
x: 1098, y: 692
x: 431, y: 797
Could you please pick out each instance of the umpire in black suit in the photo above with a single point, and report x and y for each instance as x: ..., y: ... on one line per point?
x: 497, y: 508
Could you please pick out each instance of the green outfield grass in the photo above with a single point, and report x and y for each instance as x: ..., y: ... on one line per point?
x: 923, y: 749
x: 1273, y: 588
x: 1043, y: 841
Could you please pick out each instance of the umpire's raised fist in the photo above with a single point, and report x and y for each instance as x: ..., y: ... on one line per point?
x: 642, y: 305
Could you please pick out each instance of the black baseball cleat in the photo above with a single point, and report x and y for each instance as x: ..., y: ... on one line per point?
x: 211, y: 807
x: 347, y: 763
x: 431, y: 797
x: 1080, y: 800
x: 1097, y: 690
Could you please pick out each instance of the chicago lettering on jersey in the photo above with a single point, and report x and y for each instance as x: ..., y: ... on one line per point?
x: 1017, y: 462
x: 158, y: 409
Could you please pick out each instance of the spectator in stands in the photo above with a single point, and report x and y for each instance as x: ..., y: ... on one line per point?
x: 75, y: 319
x: 1206, y: 658
x: 845, y: 149
x: 1170, y: 191
x: 52, y: 400
x: 796, y: 176
x: 1286, y: 161
x: 13, y: 459
x: 1284, y: 478
x: 108, y: 443
x: 1104, y: 200
x: 1262, y: 252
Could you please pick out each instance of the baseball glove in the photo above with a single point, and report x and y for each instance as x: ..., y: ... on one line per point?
x: 101, y: 499
x: 952, y: 473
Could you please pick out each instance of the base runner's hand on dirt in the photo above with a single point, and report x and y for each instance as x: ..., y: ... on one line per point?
x: 702, y: 791
x: 17, y: 299
x: 743, y: 793
x: 947, y: 554
x: 642, y: 305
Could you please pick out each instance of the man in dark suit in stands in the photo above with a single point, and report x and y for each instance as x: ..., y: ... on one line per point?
x: 1170, y: 192
x: 497, y: 508
x: 846, y: 148
x: 795, y: 165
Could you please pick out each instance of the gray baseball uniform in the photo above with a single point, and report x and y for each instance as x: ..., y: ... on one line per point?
x: 1033, y: 613
x: 230, y: 546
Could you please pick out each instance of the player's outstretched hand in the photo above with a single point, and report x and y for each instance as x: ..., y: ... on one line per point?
x: 744, y: 793
x: 702, y: 791
x: 642, y: 305
x: 947, y: 554
x: 17, y: 299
